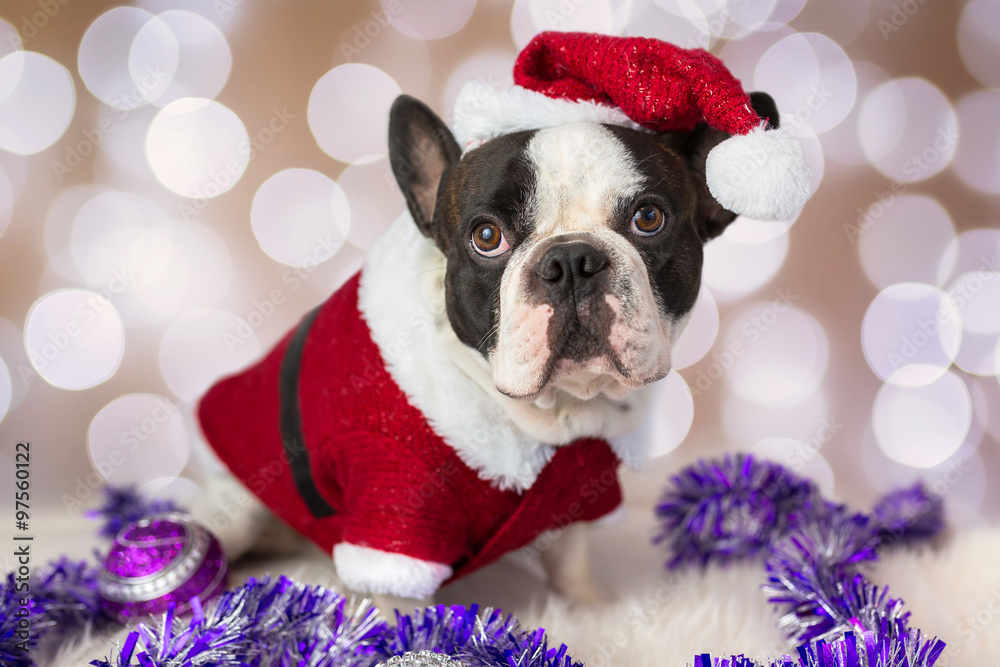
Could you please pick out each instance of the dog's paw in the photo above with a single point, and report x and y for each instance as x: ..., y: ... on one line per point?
x: 387, y: 604
x: 581, y: 592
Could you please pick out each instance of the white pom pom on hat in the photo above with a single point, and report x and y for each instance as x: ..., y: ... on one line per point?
x: 646, y: 84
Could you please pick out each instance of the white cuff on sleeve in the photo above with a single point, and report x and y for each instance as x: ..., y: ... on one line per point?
x: 369, y: 570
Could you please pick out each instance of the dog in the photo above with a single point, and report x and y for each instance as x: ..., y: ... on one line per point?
x: 523, y: 306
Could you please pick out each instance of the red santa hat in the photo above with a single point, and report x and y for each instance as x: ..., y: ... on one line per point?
x: 650, y: 85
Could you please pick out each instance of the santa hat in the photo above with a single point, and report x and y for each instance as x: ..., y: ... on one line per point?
x: 650, y: 85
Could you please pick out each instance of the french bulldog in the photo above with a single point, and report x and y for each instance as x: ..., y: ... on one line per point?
x: 448, y: 404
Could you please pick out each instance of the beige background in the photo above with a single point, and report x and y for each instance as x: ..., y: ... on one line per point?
x: 280, y: 50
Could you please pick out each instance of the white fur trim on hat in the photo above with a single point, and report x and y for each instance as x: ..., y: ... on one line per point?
x: 368, y: 570
x: 483, y: 112
x: 761, y: 175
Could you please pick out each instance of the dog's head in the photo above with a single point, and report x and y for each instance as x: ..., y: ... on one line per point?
x: 574, y: 253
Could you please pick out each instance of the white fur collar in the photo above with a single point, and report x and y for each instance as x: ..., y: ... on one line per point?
x: 508, y: 442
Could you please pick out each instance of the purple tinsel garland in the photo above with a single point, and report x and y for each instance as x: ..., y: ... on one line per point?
x: 718, y: 511
x: 262, y: 623
x: 738, y: 507
x: 487, y: 640
x: 123, y: 505
x: 730, y: 509
x: 868, y: 649
x: 63, y: 601
x: 274, y: 623
x: 812, y: 574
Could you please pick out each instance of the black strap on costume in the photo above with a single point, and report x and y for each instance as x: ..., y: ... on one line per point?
x: 290, y: 419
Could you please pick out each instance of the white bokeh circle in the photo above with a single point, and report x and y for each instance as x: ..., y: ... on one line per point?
x: 197, y: 148
x: 908, y: 129
x: 843, y: 143
x: 530, y: 17
x: 747, y: 421
x: 300, y: 217
x: 779, y: 353
x: 902, y: 237
x: 922, y: 426
x: 979, y: 40
x: 104, y: 229
x: 973, y: 250
x: 977, y: 160
x: 645, y: 20
x: 57, y: 231
x: 492, y: 68
x: 137, y: 438
x: 977, y: 296
x: 802, y: 458
x: 734, y: 269
x: 115, y: 74
x: 374, y: 198
x: 74, y: 338
x: 6, y: 389
x: 355, y: 96
x: 179, y: 266
x: 202, y: 346
x: 976, y: 355
x: 10, y: 39
x: 406, y: 60
x: 911, y: 334
x: 37, y: 102
x: 201, y: 63
x: 667, y: 420
x: 699, y: 334
x: 811, y: 80
x: 427, y: 20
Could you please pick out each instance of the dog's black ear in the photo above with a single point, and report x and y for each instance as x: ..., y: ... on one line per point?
x: 711, y: 218
x: 421, y: 149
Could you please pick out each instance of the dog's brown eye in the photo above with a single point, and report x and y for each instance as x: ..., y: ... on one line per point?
x: 488, y: 240
x: 648, y: 220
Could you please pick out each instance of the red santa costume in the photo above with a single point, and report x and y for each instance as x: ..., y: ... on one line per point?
x: 375, y: 433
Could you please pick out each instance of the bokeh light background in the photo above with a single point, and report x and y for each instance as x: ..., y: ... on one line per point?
x: 181, y: 180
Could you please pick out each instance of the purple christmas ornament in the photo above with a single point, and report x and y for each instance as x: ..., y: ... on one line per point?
x: 725, y: 510
x: 161, y: 560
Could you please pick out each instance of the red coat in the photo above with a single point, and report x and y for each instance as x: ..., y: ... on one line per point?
x: 390, y: 481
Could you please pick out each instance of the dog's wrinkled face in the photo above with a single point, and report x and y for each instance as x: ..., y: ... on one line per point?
x: 573, y: 253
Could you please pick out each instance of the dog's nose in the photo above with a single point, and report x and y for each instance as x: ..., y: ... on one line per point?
x: 574, y: 261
